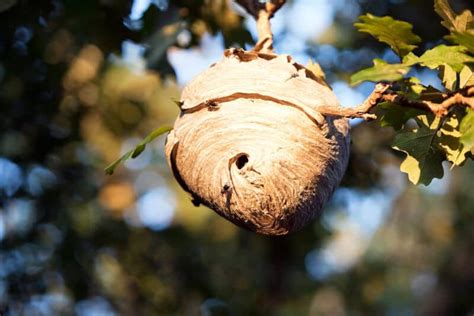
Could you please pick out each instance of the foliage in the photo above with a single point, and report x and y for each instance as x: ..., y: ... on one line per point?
x: 423, y: 162
x: 429, y: 144
x: 467, y: 129
x: 397, y: 34
x: 453, y: 22
x: 381, y: 71
x: 453, y: 56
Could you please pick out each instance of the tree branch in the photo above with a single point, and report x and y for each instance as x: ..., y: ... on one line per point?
x: 382, y: 93
x: 251, y: 6
x: 262, y: 12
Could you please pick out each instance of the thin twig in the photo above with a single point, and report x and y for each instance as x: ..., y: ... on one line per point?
x: 382, y: 93
x: 251, y: 6
x: 262, y: 12
x: 362, y: 111
x: 273, y: 6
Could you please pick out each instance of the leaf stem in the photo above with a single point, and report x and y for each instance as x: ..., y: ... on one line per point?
x: 135, y: 152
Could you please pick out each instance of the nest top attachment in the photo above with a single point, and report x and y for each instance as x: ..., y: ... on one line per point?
x: 250, y: 74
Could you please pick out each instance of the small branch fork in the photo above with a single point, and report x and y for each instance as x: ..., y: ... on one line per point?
x: 383, y: 93
x: 262, y: 12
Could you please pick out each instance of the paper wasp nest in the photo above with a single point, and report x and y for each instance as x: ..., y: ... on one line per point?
x: 251, y: 145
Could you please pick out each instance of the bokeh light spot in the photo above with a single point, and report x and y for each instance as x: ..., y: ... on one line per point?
x: 156, y: 208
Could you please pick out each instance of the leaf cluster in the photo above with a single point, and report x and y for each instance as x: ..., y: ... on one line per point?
x: 426, y: 140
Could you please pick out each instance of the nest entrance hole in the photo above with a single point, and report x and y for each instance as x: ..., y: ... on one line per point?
x: 241, y: 161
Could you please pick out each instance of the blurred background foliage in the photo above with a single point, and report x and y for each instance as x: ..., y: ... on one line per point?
x: 83, y: 81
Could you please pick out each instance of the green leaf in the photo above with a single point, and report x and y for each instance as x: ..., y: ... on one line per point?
x: 448, y: 139
x: 452, y: 21
x: 423, y: 161
x: 447, y: 136
x: 161, y: 40
x: 415, y: 86
x: 466, y: 77
x: 111, y: 168
x: 454, y: 56
x: 381, y: 71
x: 448, y: 76
x: 467, y: 129
x: 391, y: 114
x: 138, y: 149
x: 465, y: 39
x: 397, y: 34
x: 428, y: 120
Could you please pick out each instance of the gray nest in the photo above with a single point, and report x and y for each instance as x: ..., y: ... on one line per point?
x: 251, y: 144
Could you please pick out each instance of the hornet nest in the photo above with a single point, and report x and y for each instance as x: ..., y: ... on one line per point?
x: 252, y: 144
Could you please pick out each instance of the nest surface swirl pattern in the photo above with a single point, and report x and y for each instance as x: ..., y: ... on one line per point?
x: 250, y: 143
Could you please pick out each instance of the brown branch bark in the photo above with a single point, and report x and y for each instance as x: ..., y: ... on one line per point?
x: 262, y: 12
x: 382, y: 93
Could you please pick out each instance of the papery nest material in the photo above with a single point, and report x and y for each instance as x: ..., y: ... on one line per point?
x: 251, y: 144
